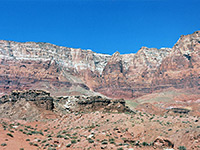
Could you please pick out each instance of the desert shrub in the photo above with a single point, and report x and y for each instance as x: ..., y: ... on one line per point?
x: 74, y: 137
x: 46, y: 130
x: 66, y: 138
x: 151, y: 118
x: 44, y: 141
x: 120, y: 148
x: 49, y: 135
x: 51, y: 148
x: 27, y: 139
x: 90, y: 141
x: 104, y: 142
x: 68, y: 145
x: 169, y: 129
x: 145, y: 144
x: 28, y: 126
x: 31, y: 143
x: 74, y: 133
x: 182, y: 148
x: 11, y: 131
x: 28, y: 133
x: 3, y: 144
x: 60, y: 136
x: 67, y: 134
x: 9, y: 134
x: 111, y: 140
x: 40, y: 132
x: 73, y: 141
x: 64, y: 132
x: 35, y: 144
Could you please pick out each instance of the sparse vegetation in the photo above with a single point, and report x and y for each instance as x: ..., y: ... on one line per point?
x: 120, y: 132
x: 9, y: 134
x: 73, y: 141
x: 3, y: 144
x: 145, y: 144
x: 68, y: 145
x: 182, y: 148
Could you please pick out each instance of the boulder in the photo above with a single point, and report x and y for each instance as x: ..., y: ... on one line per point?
x: 161, y: 142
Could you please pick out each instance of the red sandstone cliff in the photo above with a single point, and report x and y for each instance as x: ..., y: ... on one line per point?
x: 68, y: 71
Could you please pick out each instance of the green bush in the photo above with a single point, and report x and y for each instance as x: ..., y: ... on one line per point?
x: 35, y: 144
x: 3, y: 144
x: 104, y: 142
x: 68, y: 145
x: 66, y: 138
x: 31, y: 143
x: 91, y: 141
x: 73, y: 141
x: 60, y: 136
x: 145, y: 144
x: 112, y: 141
x: 44, y: 141
x: 182, y: 148
x: 9, y: 134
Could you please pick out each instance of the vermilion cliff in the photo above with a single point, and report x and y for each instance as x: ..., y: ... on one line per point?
x: 69, y: 71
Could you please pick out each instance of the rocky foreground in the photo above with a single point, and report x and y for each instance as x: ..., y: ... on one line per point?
x: 32, y: 119
x: 38, y: 104
x: 97, y: 130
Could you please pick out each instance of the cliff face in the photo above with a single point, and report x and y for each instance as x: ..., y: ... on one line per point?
x: 33, y: 104
x: 45, y: 66
x: 131, y: 75
x: 37, y: 104
x: 90, y: 104
x: 181, y: 69
x: 68, y: 71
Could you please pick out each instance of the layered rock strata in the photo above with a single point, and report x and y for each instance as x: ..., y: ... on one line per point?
x: 69, y: 71
x: 37, y: 104
x: 30, y: 104
x: 90, y: 104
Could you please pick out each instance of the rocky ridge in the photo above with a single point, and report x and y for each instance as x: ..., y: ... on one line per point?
x: 85, y: 104
x: 38, y: 104
x: 27, y: 105
x: 68, y: 71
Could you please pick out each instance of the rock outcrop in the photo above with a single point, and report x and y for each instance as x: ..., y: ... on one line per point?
x: 68, y: 71
x: 30, y: 104
x: 179, y: 110
x: 161, y: 142
x: 37, y: 104
x: 90, y: 104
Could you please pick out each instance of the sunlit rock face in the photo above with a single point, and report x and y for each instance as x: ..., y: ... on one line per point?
x: 68, y: 71
x: 56, y: 69
x: 181, y: 69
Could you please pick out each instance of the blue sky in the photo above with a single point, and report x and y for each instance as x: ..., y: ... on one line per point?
x: 105, y: 26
